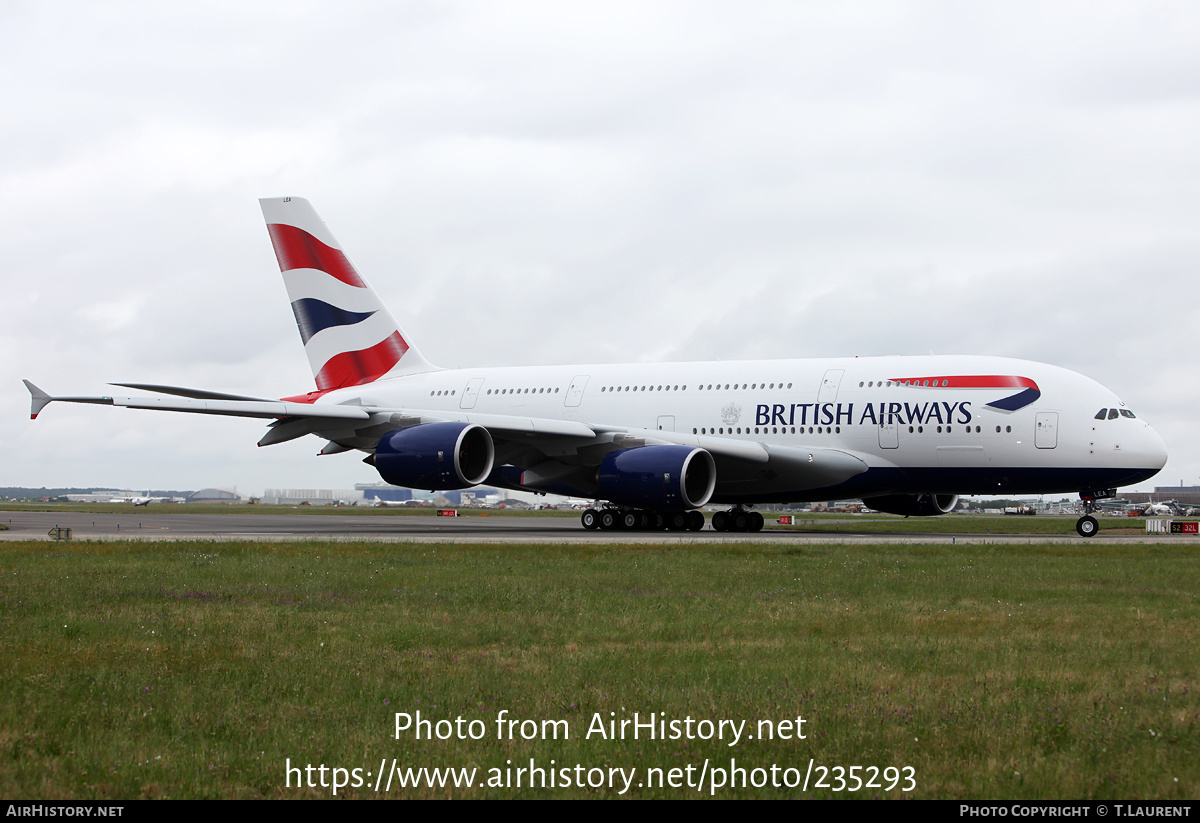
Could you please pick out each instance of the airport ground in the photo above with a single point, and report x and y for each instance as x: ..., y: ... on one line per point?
x: 190, y: 521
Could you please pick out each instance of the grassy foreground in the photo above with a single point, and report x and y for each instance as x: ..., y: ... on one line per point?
x: 200, y: 669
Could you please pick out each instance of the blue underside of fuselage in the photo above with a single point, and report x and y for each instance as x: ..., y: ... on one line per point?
x: 941, y: 480
x: 931, y: 480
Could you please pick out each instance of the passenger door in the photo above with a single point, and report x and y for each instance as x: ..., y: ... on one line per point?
x: 1046, y: 435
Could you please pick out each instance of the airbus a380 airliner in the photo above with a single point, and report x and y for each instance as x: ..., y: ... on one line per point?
x: 907, y: 435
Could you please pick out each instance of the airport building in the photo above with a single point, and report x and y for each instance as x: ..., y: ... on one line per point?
x: 216, y: 496
x: 103, y: 497
x: 373, y: 494
x: 1184, y: 495
x: 312, y: 497
x: 376, y: 492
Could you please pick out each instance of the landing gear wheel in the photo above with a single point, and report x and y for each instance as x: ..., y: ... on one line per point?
x: 756, y: 522
x: 720, y: 521
x: 677, y: 521
x: 590, y: 519
x: 1087, y: 526
x: 630, y: 520
x: 608, y: 520
x: 695, y: 520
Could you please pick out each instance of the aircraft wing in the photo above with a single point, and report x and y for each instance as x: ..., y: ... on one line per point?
x: 315, y: 415
x: 802, y: 467
x: 726, y: 447
x: 197, y: 405
x: 180, y: 391
x: 810, y: 467
x: 198, y: 401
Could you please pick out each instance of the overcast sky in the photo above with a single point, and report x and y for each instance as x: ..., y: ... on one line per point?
x: 549, y: 182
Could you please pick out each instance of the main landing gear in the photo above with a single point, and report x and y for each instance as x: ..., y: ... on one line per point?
x: 737, y: 519
x: 611, y: 519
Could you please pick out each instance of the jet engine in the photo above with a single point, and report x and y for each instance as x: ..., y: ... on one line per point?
x: 436, y: 456
x: 914, y: 505
x: 658, y: 477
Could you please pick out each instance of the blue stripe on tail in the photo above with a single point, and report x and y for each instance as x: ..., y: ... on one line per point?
x: 314, y: 315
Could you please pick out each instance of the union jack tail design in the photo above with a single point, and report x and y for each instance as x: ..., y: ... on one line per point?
x: 349, y: 336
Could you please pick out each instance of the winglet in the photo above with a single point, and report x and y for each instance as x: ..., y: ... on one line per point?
x: 38, y: 399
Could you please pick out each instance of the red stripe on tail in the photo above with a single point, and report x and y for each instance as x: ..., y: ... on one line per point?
x: 354, y: 368
x: 297, y: 249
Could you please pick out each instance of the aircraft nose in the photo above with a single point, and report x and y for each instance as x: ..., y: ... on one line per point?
x: 1152, y: 449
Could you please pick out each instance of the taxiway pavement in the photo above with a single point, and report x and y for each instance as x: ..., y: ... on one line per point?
x: 149, y: 524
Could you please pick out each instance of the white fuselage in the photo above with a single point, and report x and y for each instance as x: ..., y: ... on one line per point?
x: 950, y: 438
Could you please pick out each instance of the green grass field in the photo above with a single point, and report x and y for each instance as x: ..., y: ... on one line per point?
x: 200, y: 669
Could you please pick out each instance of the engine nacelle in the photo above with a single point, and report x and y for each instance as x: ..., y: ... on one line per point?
x: 436, y: 456
x: 658, y: 477
x: 913, y: 505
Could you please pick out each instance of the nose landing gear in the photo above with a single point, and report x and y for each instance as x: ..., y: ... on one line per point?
x: 1087, y: 525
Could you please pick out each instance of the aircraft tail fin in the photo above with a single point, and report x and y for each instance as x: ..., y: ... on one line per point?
x: 349, y: 335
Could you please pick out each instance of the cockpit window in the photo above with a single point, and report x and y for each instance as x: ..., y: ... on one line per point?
x: 1112, y: 414
x: 1128, y: 413
x: 1103, y: 413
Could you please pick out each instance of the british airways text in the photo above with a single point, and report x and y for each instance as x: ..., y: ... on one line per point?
x: 877, y: 414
